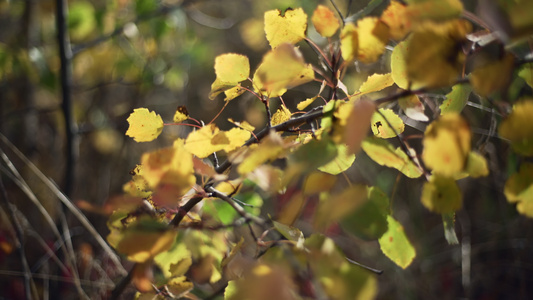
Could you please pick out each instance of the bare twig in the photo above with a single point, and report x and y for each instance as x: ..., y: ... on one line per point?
x: 235, y: 206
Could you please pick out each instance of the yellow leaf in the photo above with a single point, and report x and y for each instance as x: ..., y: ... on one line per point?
x: 375, y: 83
x: 519, y: 189
x: 518, y: 128
x: 304, y: 104
x: 447, y: 144
x: 253, y: 34
x: 383, y: 153
x: 494, y: 76
x: 237, y: 137
x: 476, y: 165
x: 325, y: 22
x: 342, y: 161
x: 171, y: 165
x: 441, y: 195
x: 433, y: 54
x: 289, y: 28
x: 373, y: 36
x: 349, y: 42
x: 395, y: 244
x: 244, y: 125
x: 399, y: 65
x: 413, y: 108
x: 181, y: 114
x: 234, y: 92
x: 283, y: 114
x: 138, y: 186
x: 144, y: 240
x: 279, y: 69
x: 395, y: 16
x: 232, y: 67
x: 145, y: 126
x: 380, y: 126
x: 292, y: 210
x: 268, y: 149
x: 205, y: 141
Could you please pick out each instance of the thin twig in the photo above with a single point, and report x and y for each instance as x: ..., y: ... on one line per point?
x: 234, y: 205
x: 29, y: 286
x: 379, y: 272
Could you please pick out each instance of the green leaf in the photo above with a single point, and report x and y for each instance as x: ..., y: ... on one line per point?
x: 456, y: 99
x: 441, y: 195
x: 395, y: 244
x: 526, y: 73
x: 519, y: 189
x: 315, y: 153
x: 380, y: 126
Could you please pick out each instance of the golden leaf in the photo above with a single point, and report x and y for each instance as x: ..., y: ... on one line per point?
x: 519, y: 189
x: 380, y: 124
x: 375, y: 83
x: 181, y: 114
x: 205, y: 141
x: 289, y: 28
x: 518, y: 128
x: 373, y: 36
x: 395, y: 16
x: 441, y: 195
x: 145, y: 126
x: 349, y: 42
x: 493, y: 76
x: 325, y: 22
x: 447, y: 144
x: 283, y: 114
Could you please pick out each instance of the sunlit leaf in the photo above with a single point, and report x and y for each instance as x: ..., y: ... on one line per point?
x: 395, y: 16
x: 171, y: 165
x: 144, y: 240
x: 476, y: 165
x: 340, y: 163
x: 145, y: 126
x: 338, y: 206
x: 237, y: 137
x: 519, y: 189
x: 375, y: 83
x: 358, y: 123
x: 234, y: 92
x: 441, y: 195
x: 380, y: 126
x: 268, y: 149
x: 230, y: 69
x: 181, y: 114
x: 493, y: 76
x: 413, y: 108
x: 373, y: 36
x: 456, y: 99
x: 399, y: 65
x: 518, y: 128
x: 279, y: 69
x: 138, y: 186
x: 283, y: 114
x: 395, y: 244
x: 289, y: 232
x: 287, y: 28
x: 174, y: 262
x: 244, y: 125
x: 383, y: 153
x: 447, y: 144
x: 179, y: 286
x: 206, y: 140
x: 304, y: 104
x: 349, y: 42
x: 325, y: 22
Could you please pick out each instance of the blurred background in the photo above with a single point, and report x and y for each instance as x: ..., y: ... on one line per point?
x: 159, y: 54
